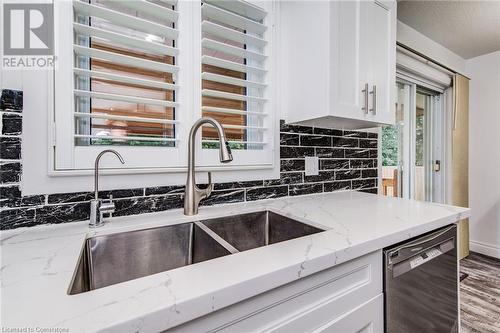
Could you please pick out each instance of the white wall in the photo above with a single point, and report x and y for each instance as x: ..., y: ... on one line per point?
x: 410, y: 37
x: 484, y: 150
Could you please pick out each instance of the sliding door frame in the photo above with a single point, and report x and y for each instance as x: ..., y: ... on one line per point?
x: 437, y: 129
x: 405, y: 170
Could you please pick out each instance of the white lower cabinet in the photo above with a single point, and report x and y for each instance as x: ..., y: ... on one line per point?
x: 343, y: 299
x: 367, y: 318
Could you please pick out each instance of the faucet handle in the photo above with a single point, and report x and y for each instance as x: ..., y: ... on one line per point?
x: 109, y: 199
x: 107, y: 206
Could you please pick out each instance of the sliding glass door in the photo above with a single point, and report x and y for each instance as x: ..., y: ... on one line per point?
x: 395, y: 146
x: 412, y: 148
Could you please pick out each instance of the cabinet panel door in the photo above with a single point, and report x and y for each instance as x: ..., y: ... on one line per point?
x: 349, y: 47
x: 383, y: 61
x: 300, y: 306
x: 368, y: 318
x: 304, y: 59
x: 316, y: 306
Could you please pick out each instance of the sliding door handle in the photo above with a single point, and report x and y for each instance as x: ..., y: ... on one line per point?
x: 365, y: 97
x: 374, y: 100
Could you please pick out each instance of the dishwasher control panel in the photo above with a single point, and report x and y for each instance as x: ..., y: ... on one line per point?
x: 423, y: 257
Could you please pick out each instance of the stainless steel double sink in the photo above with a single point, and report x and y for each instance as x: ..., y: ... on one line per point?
x: 120, y: 257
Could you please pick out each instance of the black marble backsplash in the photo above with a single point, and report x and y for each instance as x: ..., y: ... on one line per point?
x: 347, y: 160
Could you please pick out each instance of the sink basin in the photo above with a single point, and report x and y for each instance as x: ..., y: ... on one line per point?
x: 248, y: 231
x: 120, y: 257
x: 111, y: 259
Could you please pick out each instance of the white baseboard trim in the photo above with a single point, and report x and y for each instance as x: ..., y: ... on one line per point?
x: 486, y: 249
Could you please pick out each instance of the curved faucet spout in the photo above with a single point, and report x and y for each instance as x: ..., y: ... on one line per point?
x: 225, y: 154
x: 97, y: 207
x: 193, y: 194
x: 96, y: 168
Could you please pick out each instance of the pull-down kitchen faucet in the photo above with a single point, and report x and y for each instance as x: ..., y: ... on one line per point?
x: 99, y: 207
x: 193, y: 194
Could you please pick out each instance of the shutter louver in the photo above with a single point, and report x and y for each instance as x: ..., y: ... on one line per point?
x: 125, y: 72
x: 234, y: 72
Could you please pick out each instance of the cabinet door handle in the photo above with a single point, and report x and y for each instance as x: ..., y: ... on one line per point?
x: 374, y: 100
x: 365, y: 92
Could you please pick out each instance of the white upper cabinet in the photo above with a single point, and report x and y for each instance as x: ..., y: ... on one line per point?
x: 382, y: 54
x: 338, y: 62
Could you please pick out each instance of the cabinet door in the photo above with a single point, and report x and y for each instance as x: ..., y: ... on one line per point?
x: 349, y: 50
x: 364, y: 52
x: 367, y: 318
x: 381, y: 27
x: 313, y: 302
x: 304, y: 59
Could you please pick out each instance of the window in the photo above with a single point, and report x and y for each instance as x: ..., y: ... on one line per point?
x: 233, y: 71
x: 236, y: 81
x: 125, y: 73
x: 135, y: 83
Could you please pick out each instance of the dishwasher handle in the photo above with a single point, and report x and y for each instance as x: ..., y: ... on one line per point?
x: 421, y: 258
x: 421, y: 241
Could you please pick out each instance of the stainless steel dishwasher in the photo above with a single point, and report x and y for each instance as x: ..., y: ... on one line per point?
x: 421, y: 284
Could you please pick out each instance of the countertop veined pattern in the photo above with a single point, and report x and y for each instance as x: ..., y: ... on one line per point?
x: 38, y: 263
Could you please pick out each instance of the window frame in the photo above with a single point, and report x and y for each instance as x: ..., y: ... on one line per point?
x: 67, y: 159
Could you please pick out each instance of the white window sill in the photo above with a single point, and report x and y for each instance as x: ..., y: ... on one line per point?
x: 235, y: 171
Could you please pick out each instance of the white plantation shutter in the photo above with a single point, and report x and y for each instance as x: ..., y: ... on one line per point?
x: 136, y: 74
x: 235, y: 62
x: 125, y: 72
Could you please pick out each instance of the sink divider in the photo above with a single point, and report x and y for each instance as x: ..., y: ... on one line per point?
x: 217, y: 238
x: 191, y: 244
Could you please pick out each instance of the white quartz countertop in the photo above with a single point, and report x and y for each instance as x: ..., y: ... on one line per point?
x: 37, y: 263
